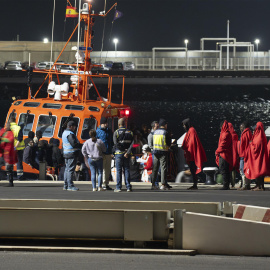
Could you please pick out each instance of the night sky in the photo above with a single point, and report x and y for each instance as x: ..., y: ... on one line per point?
x: 145, y: 24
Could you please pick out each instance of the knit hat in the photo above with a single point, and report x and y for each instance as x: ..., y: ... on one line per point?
x: 72, y: 124
x: 162, y: 122
x: 103, y: 120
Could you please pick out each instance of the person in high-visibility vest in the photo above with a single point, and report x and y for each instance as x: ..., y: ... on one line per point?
x: 71, y: 150
x: 19, y: 145
x: 161, y: 144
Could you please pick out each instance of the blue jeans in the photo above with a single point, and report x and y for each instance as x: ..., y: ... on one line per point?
x: 122, y: 163
x: 69, y: 171
x: 96, y: 166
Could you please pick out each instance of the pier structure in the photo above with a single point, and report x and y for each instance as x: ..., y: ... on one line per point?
x: 242, y: 56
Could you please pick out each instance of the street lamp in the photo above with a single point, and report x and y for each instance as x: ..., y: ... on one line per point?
x: 186, y: 42
x: 257, y: 41
x: 115, y: 41
x: 45, y: 40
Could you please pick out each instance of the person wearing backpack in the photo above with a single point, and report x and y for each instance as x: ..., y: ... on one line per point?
x: 123, y: 141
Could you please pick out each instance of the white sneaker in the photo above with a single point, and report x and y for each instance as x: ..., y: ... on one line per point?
x: 101, y: 189
x: 163, y: 187
x: 94, y: 189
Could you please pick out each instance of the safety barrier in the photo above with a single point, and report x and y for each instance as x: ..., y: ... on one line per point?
x: 211, y: 208
x: 250, y: 212
x: 222, y: 235
x: 128, y: 225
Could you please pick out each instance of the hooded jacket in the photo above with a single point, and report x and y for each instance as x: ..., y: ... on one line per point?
x: 193, y: 149
x: 224, y: 149
x: 256, y: 158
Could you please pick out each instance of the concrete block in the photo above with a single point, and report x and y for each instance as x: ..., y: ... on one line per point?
x: 225, y: 236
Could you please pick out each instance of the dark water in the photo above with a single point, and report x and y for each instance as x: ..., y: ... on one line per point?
x: 206, y: 106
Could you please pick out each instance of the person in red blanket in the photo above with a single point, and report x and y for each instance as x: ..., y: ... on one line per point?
x: 8, y: 152
x: 245, y: 139
x: 256, y: 160
x: 194, y: 152
x: 235, y: 153
x: 224, y: 155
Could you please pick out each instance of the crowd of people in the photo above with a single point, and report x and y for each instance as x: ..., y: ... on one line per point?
x: 139, y: 155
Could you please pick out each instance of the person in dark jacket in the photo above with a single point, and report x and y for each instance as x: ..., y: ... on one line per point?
x: 123, y: 140
x: 57, y: 157
x: 28, y: 155
x: 134, y: 168
x: 71, y: 150
x: 49, y: 148
x: 31, y: 136
x: 105, y: 134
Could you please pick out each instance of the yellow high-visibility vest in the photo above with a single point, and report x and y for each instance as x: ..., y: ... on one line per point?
x: 16, y: 129
x: 159, y: 140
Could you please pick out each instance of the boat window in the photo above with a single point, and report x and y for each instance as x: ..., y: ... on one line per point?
x: 63, y: 124
x: 17, y: 103
x: 88, y: 124
x: 46, y: 125
x: 51, y: 106
x: 27, y: 120
x: 115, y: 123
x: 109, y: 121
x: 31, y: 104
x: 74, y: 107
x: 93, y: 109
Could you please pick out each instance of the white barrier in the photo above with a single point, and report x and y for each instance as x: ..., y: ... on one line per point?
x: 224, y: 236
x: 211, y: 208
x: 250, y: 212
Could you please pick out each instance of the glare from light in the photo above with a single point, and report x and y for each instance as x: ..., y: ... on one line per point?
x: 257, y: 41
x: 186, y: 41
x: 45, y: 40
x: 115, y: 40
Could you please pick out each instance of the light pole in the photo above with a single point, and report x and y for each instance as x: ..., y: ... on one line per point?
x: 115, y: 41
x: 257, y: 41
x: 186, y: 43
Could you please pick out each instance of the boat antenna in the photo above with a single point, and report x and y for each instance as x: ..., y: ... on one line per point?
x: 78, y: 41
x: 105, y: 4
x: 52, y: 32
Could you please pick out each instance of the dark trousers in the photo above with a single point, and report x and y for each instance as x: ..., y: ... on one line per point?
x: 160, y: 160
x: 193, y: 169
x: 20, y: 164
x: 224, y: 171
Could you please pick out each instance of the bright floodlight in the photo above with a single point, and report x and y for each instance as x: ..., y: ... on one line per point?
x: 186, y: 41
x: 115, y: 40
x: 257, y: 41
x: 45, y: 40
